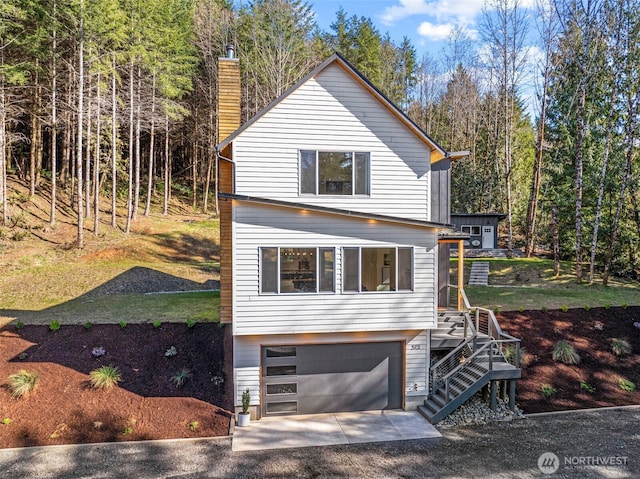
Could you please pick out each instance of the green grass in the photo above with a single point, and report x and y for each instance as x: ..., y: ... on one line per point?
x: 521, y: 283
x: 202, y: 306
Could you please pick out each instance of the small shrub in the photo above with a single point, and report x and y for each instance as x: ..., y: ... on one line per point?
x: 191, y: 323
x: 624, y: 305
x: 607, y: 306
x: 123, y: 324
x: 6, y: 421
x: 620, y: 347
x: 157, y: 324
x: 19, y: 325
x: 547, y: 390
x: 496, y: 310
x: 598, y: 325
x: 586, y: 387
x: 626, y: 385
x: 521, y: 309
x: 544, y: 309
x: 246, y: 401
x: 565, y: 353
x: 127, y: 430
x: 54, y: 325
x: 172, y: 351
x: 510, y: 356
x: 193, y: 426
x: 22, y: 383
x: 98, y: 351
x: 105, y: 377
x: 88, y: 325
x: 564, y: 308
x: 181, y: 377
x: 586, y: 307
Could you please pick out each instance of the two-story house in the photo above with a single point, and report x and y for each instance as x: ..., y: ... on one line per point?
x: 334, y: 255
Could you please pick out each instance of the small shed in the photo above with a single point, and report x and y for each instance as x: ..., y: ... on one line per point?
x: 482, y: 228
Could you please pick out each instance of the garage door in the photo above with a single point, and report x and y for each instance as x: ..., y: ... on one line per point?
x: 321, y: 378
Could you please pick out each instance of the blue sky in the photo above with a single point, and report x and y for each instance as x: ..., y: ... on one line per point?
x: 427, y: 23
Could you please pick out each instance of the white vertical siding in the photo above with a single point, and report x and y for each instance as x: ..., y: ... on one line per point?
x: 332, y: 111
x: 247, y: 358
x: 255, y: 313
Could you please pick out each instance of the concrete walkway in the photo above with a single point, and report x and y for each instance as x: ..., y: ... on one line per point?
x: 479, y: 274
x: 332, y: 429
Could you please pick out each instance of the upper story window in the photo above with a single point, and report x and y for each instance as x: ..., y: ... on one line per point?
x: 377, y: 269
x: 297, y: 270
x: 334, y: 172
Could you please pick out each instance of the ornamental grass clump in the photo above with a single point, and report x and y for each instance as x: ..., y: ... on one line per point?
x: 620, y: 347
x: 564, y: 352
x: 22, y: 383
x: 105, y: 377
x: 181, y: 377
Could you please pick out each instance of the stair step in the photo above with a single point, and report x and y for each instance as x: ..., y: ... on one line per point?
x: 426, y: 413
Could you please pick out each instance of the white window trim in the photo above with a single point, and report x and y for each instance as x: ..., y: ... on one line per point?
x: 317, y: 171
x: 396, y: 291
x: 278, y: 275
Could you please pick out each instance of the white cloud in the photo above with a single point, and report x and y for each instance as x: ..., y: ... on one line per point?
x: 405, y: 9
x: 460, y: 10
x: 435, y: 32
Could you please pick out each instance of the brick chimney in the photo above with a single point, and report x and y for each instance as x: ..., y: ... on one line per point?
x: 228, y: 94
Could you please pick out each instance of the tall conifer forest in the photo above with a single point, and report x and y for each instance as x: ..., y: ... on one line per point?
x: 117, y: 99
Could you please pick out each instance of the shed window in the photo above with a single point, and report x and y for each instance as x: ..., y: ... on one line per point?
x: 334, y: 172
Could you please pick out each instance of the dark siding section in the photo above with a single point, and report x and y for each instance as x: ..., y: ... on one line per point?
x: 441, y: 191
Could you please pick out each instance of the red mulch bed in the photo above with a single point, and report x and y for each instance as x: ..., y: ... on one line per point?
x: 65, y: 409
x: 599, y: 367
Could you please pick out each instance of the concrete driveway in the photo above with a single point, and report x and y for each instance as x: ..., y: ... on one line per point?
x: 497, y: 451
x: 332, y: 429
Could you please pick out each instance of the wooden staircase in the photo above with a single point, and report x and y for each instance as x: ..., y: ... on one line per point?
x: 476, y: 357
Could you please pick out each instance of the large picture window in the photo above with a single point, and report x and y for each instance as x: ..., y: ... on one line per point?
x: 334, y: 173
x: 377, y: 269
x: 297, y: 270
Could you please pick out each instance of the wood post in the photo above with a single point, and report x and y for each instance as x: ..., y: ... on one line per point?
x: 512, y: 395
x: 460, y: 273
x: 493, y: 401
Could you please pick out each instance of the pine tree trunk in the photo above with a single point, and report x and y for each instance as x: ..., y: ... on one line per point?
x: 114, y: 145
x: 96, y: 165
x: 147, y: 208
x: 136, y: 196
x: 130, y: 189
x: 54, y: 123
x: 194, y: 173
x: 556, y: 240
x: 3, y: 144
x: 579, y: 178
x: 87, y: 167
x: 598, y: 213
x: 79, y: 127
x: 167, y: 181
